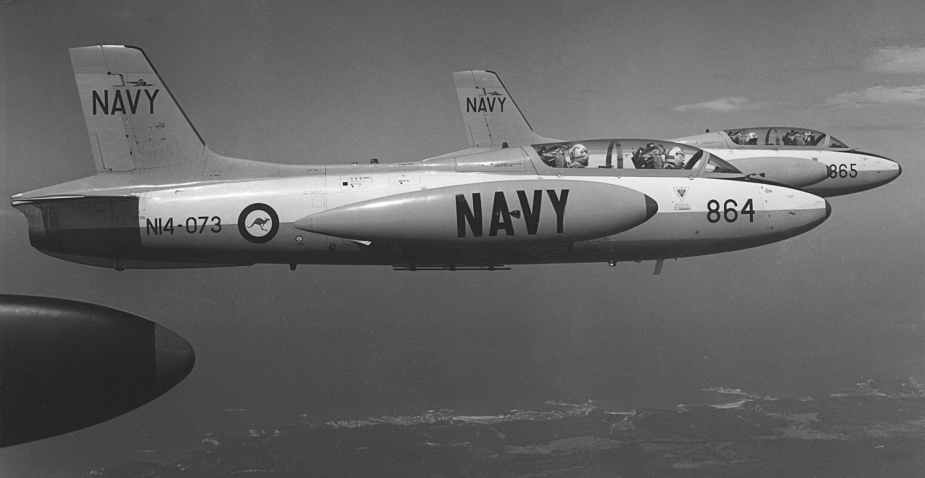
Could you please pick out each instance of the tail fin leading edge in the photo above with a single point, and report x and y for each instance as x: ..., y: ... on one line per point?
x: 133, y: 121
x: 491, y: 118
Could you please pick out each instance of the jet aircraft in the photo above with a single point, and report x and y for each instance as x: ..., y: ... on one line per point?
x: 796, y: 157
x: 809, y: 159
x: 162, y: 199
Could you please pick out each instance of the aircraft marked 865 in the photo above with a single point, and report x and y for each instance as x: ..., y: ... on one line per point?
x: 798, y: 157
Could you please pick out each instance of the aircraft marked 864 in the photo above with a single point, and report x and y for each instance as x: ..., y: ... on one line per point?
x: 162, y: 199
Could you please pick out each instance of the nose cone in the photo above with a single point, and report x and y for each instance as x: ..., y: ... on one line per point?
x: 856, y: 172
x: 879, y: 171
x: 893, y: 171
x: 67, y: 365
x: 174, y: 358
x: 792, y: 212
x: 651, y: 207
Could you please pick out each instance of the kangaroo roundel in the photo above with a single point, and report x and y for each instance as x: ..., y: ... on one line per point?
x: 258, y: 223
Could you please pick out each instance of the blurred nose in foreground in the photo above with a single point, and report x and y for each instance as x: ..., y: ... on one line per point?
x: 174, y: 358
x: 67, y: 365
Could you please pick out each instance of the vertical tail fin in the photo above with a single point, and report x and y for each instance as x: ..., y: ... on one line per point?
x: 489, y: 113
x: 133, y: 121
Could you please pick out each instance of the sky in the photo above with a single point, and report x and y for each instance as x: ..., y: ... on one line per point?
x: 336, y: 82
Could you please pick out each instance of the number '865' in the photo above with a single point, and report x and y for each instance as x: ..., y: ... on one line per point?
x: 842, y: 171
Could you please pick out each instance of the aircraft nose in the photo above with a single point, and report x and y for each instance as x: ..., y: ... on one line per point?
x: 794, y: 212
x: 174, y: 358
x: 896, y: 172
x: 651, y: 207
x: 885, y: 169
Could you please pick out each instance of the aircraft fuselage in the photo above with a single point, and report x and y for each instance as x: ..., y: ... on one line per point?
x: 517, y: 218
x: 799, y: 157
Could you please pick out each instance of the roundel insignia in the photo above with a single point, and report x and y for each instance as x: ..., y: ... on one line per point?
x: 258, y: 223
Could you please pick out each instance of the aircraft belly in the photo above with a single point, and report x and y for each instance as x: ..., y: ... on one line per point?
x: 689, y: 233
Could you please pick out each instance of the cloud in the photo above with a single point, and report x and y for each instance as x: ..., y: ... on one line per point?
x: 881, y: 95
x: 896, y: 59
x: 722, y: 105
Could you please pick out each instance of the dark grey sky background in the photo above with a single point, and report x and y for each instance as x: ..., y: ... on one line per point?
x: 341, y: 81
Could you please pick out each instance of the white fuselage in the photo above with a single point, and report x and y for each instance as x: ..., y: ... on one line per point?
x: 208, y: 223
x: 828, y: 168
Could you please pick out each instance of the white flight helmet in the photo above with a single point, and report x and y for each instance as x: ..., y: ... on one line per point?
x: 578, y: 154
x: 676, y: 157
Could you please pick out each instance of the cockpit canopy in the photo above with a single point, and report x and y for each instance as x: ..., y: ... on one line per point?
x: 783, y: 136
x: 630, y: 154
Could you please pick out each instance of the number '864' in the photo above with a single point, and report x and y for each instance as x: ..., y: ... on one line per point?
x: 730, y: 211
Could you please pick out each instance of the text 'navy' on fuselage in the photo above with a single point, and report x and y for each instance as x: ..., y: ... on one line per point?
x: 501, y: 214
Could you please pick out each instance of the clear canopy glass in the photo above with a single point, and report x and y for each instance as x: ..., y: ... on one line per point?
x: 629, y: 154
x: 783, y: 137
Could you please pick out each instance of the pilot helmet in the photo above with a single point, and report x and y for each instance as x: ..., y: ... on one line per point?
x: 676, y: 156
x: 579, y: 153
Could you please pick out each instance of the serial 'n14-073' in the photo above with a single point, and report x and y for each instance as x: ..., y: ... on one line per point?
x: 162, y: 199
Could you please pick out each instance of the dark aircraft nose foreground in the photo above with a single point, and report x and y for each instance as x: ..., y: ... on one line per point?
x: 67, y: 365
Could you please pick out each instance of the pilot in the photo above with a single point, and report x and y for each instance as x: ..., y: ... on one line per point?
x: 653, y: 156
x: 578, y: 156
x: 675, y: 158
x: 809, y: 138
x: 738, y: 137
x: 559, y: 157
x: 744, y: 137
x: 794, y: 138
